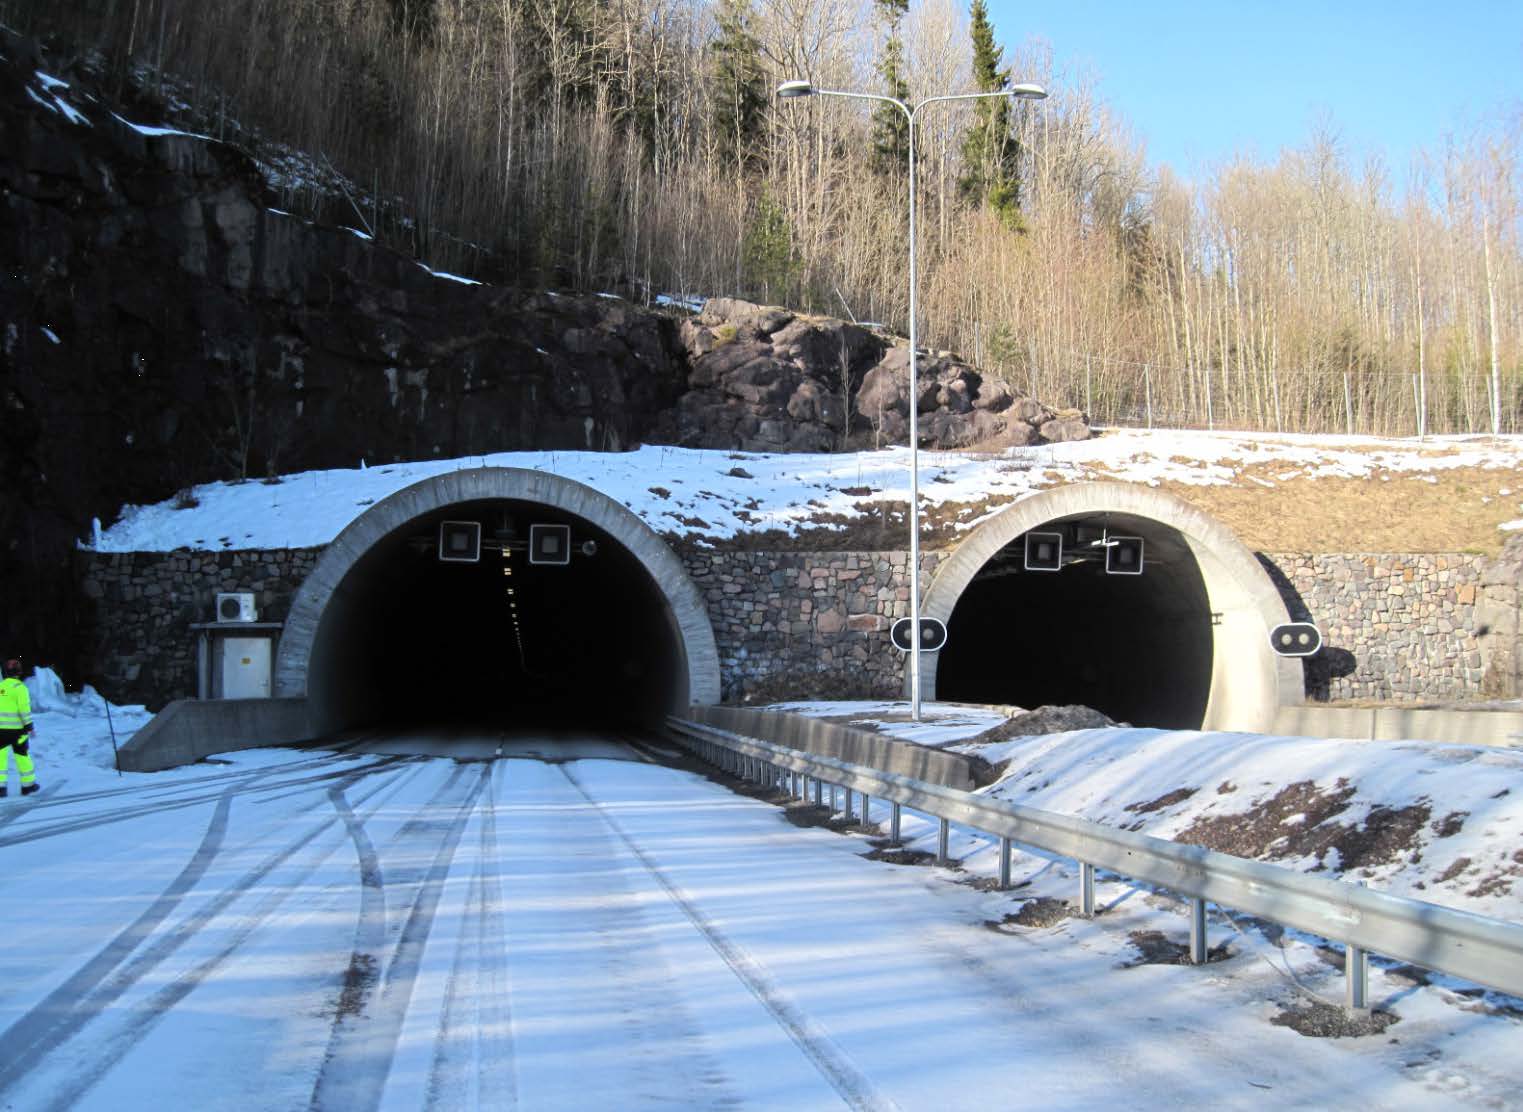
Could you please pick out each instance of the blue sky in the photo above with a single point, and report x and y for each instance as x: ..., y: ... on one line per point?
x: 1199, y: 81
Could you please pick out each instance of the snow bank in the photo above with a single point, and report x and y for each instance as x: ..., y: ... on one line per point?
x: 707, y: 494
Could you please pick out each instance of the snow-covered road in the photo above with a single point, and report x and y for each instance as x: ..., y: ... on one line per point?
x: 481, y: 928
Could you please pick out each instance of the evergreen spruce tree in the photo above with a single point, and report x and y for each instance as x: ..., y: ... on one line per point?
x: 991, y: 154
x: 767, y: 249
x: 891, y: 131
x: 740, y: 92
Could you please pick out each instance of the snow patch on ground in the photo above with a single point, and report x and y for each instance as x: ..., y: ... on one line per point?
x: 1426, y: 820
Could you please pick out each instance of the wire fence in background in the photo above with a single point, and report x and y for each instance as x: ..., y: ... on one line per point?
x: 1355, y: 402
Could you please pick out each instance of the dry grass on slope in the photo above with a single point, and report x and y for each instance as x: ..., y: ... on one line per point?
x: 1445, y: 511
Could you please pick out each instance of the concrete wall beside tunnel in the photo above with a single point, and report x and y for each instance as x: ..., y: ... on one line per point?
x: 383, y: 630
x: 1184, y: 645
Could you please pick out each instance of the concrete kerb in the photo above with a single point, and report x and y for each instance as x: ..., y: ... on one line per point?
x: 689, y: 612
x: 189, y: 729
x: 830, y: 739
x: 1450, y: 725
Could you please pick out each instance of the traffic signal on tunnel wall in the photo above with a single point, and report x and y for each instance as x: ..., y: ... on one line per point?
x: 1296, y: 639
x: 933, y: 634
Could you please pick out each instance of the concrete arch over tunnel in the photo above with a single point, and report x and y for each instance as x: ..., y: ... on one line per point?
x: 383, y: 631
x: 1183, y: 645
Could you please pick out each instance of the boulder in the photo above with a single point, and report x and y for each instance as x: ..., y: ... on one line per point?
x: 1030, y: 410
x: 748, y: 320
x: 1067, y: 425
x: 993, y: 396
x: 882, y: 393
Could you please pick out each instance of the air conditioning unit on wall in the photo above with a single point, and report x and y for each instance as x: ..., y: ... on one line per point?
x: 236, y: 606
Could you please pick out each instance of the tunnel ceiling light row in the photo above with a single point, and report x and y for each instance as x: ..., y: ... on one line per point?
x: 518, y: 633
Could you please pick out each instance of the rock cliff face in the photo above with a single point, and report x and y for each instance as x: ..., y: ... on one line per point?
x: 162, y: 325
x: 764, y: 379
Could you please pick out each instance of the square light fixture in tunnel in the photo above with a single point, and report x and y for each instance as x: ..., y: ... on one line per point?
x: 549, y: 544
x: 1044, y: 551
x: 460, y: 542
x: 1123, y: 556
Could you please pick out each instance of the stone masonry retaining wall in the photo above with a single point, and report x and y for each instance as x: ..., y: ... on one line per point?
x: 807, y: 625
x: 1394, y: 627
x: 146, y: 603
x: 813, y: 624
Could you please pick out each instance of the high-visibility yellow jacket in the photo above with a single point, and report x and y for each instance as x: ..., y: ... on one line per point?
x: 15, y: 705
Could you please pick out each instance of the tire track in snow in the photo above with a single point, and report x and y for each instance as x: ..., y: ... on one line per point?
x: 53, y: 1018
x: 27, y: 806
x: 87, y: 995
x: 830, y: 1060
x: 363, y: 1042
x: 97, y: 819
x: 583, y: 893
x: 51, y: 798
x: 480, y: 958
x: 142, y: 1018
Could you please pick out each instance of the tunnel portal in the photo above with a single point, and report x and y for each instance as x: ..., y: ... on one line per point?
x: 1137, y: 646
x: 1179, y: 640
x: 395, y: 627
x: 501, y: 639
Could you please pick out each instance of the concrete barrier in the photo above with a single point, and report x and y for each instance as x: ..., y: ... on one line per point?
x: 189, y: 729
x: 1394, y: 723
x: 845, y: 743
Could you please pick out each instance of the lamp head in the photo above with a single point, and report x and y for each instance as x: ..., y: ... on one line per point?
x: 796, y: 88
x: 1027, y: 92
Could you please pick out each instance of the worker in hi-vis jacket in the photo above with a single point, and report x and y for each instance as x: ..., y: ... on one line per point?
x: 16, y: 728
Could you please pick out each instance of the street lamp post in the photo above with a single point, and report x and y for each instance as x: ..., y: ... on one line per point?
x: 791, y: 89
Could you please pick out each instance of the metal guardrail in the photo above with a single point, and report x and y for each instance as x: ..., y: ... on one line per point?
x: 1482, y: 950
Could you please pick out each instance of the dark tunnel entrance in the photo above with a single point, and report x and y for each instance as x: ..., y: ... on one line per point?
x: 1137, y: 647
x: 500, y: 642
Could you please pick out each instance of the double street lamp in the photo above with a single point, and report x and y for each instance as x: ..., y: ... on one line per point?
x: 791, y: 89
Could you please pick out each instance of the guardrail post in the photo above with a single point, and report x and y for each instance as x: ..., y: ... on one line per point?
x: 1356, y: 968
x: 1086, y: 890
x: 1197, y: 931
x: 893, y: 826
x: 1004, y: 863
x: 942, y: 836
